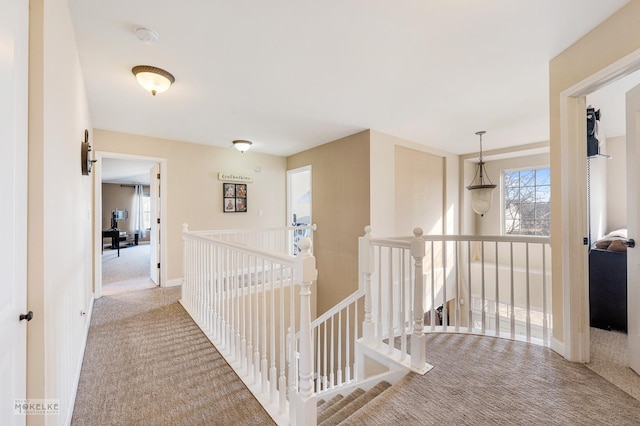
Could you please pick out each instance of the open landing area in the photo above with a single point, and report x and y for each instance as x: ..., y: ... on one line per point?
x: 147, y: 362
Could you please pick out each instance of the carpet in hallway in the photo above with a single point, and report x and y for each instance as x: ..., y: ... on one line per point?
x: 147, y: 363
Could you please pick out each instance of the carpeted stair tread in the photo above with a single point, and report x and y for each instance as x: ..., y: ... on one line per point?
x: 329, y: 403
x: 334, y: 408
x: 355, y: 405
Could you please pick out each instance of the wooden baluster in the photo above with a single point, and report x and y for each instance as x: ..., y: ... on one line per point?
x: 513, y: 297
x: 418, y: 349
x: 445, y: 310
x: 402, y: 313
x: 497, y: 293
x: 470, y: 295
x: 482, y: 289
x: 263, y: 333
x: 339, y: 372
x: 347, y: 360
x: 273, y: 379
x: 528, y: 294
x: 432, y: 311
x: 366, y: 264
x: 306, y: 403
x: 456, y: 248
x: 545, y: 324
x: 390, y: 332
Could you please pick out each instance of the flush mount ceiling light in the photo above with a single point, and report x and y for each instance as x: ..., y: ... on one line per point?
x: 147, y: 35
x: 242, y: 145
x: 155, y: 80
x: 481, y: 190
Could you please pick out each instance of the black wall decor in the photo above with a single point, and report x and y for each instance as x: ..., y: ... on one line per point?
x: 234, y: 197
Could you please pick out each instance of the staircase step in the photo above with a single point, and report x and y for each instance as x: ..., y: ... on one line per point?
x: 330, y: 411
x: 356, y: 404
x: 329, y: 403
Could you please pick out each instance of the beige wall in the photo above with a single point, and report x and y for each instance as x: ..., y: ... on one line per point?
x: 60, y: 212
x: 383, y: 185
x: 340, y: 207
x: 194, y: 193
x: 616, y: 183
x: 121, y: 197
x: 612, y: 40
x: 419, y: 191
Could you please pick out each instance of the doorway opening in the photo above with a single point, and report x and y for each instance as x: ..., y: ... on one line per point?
x: 578, y: 345
x: 127, y: 228
x: 298, y: 202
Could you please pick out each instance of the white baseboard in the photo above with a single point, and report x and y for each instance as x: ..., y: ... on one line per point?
x: 557, y: 346
x: 76, y: 382
x: 173, y: 283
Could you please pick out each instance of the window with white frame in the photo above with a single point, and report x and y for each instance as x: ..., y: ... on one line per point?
x: 527, y: 202
x: 146, y: 211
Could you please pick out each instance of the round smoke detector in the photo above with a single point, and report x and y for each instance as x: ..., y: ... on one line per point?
x: 147, y: 35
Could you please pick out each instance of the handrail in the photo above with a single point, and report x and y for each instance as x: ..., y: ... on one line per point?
x: 267, y: 254
x: 313, y: 227
x: 337, y: 308
x: 405, y: 241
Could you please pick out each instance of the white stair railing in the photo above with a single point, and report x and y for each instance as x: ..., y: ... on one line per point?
x: 490, y: 285
x: 245, y: 300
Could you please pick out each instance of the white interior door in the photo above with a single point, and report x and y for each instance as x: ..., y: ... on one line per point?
x: 154, y: 237
x: 633, y: 219
x: 13, y: 214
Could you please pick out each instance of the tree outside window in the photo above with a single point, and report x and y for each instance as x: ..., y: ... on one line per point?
x: 527, y: 202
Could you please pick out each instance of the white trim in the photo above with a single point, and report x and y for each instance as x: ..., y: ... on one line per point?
x: 557, y: 346
x: 83, y: 346
x: 97, y: 224
x: 576, y: 345
x: 174, y: 283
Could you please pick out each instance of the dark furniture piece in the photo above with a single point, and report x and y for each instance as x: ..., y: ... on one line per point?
x: 114, y: 234
x: 608, y: 289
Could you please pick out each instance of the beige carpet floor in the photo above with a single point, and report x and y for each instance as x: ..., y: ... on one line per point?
x: 487, y: 381
x: 127, y: 272
x: 147, y: 363
x: 610, y: 359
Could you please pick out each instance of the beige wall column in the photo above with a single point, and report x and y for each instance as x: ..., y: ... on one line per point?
x: 611, y: 41
x: 340, y: 207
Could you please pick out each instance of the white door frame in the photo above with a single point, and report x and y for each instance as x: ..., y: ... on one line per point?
x: 97, y: 208
x: 575, y: 279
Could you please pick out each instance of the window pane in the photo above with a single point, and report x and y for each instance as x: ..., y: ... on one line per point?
x: 527, y: 178
x: 543, y: 177
x: 527, y: 197
x: 512, y: 179
x: 543, y: 194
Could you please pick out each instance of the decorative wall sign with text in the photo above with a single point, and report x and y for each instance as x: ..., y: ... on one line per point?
x: 234, y: 197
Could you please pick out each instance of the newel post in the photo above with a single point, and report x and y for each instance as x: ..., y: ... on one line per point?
x: 418, y: 349
x: 306, y: 407
x: 366, y: 266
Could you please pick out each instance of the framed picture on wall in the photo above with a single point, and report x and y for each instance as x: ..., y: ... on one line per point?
x: 234, y: 197
x: 229, y: 205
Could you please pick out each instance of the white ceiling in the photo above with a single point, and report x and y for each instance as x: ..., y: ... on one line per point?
x: 126, y: 171
x: 292, y: 74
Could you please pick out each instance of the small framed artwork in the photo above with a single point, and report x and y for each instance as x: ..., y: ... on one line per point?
x: 229, y: 205
x: 234, y: 197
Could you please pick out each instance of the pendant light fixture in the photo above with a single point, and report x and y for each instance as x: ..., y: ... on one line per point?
x: 481, y: 189
x: 153, y: 79
x: 242, y: 145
